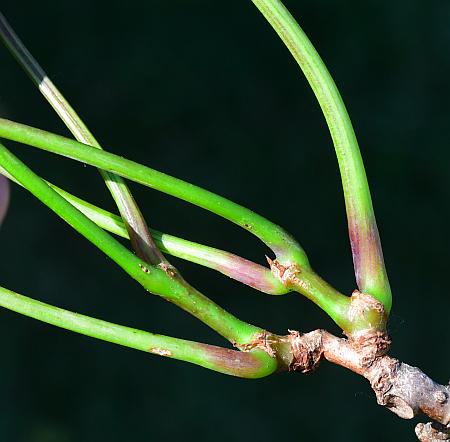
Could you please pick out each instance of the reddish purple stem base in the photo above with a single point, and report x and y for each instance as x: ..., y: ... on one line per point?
x: 4, y: 197
x: 368, y: 260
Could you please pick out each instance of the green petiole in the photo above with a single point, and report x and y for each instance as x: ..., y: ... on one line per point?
x: 283, y: 245
x: 158, y: 280
x: 335, y: 304
x: 233, y: 266
x: 368, y: 259
x: 253, y: 364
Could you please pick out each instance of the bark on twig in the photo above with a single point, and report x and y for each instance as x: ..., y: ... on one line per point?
x: 403, y: 389
x: 432, y: 432
x: 406, y: 390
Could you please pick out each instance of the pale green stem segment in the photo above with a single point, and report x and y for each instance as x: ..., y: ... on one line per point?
x: 366, y: 247
x: 284, y: 246
x: 229, y: 264
x: 137, y: 228
x: 253, y: 364
x: 159, y: 280
x: 233, y: 266
x: 313, y: 287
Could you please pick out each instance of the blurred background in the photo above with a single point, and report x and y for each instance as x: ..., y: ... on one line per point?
x: 205, y: 91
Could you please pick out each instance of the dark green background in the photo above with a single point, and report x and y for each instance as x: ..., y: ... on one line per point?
x: 205, y: 91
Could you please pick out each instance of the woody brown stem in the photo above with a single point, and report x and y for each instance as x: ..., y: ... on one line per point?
x: 403, y: 389
x: 432, y: 432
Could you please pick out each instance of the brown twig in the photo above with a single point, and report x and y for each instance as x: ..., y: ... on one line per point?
x: 403, y: 389
x: 432, y: 432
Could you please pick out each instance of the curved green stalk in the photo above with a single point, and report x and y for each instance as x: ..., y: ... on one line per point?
x: 334, y: 303
x: 141, y: 239
x: 364, y: 238
x: 229, y: 264
x: 253, y: 364
x: 283, y: 245
x: 159, y: 280
x: 331, y: 301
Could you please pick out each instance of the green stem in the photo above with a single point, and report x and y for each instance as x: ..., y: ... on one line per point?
x: 364, y: 238
x: 159, y: 280
x: 233, y: 266
x: 141, y: 239
x: 253, y: 364
x: 313, y: 287
x: 229, y: 264
x: 283, y: 245
x: 331, y: 301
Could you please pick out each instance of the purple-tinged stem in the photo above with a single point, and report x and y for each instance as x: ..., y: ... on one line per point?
x: 249, y: 364
x: 364, y: 238
x: 254, y: 275
x: 368, y: 260
x: 4, y: 197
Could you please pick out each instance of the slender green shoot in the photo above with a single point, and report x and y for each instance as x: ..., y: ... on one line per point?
x: 309, y: 284
x: 334, y: 303
x: 253, y: 364
x: 138, y: 231
x: 289, y: 271
x: 283, y: 245
x: 368, y: 260
x: 229, y: 264
x: 159, y: 280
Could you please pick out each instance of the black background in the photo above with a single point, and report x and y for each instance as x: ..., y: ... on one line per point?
x: 205, y: 91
